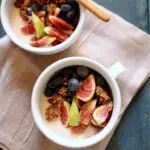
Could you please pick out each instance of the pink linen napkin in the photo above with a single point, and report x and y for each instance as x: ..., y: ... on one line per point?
x: 106, y: 43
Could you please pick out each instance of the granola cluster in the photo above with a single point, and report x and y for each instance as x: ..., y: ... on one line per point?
x: 53, y: 111
x: 24, y: 4
x: 79, y: 97
x: 23, y: 14
x: 27, y: 3
x: 55, y: 101
x: 102, y: 95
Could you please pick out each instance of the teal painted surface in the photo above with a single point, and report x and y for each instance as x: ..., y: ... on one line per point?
x: 134, y: 11
x: 133, y: 132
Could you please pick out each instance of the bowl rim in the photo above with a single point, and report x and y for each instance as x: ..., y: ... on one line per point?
x: 5, y: 19
x: 90, y: 140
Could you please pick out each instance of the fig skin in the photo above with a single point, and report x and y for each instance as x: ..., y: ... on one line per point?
x: 64, y: 113
x: 102, y: 113
x: 60, y: 23
x: 87, y: 112
x: 78, y: 129
x: 87, y: 88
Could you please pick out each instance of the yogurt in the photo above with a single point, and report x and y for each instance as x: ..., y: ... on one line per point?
x: 57, y: 127
x: 17, y: 23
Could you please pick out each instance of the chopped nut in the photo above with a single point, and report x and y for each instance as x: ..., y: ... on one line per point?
x: 23, y: 14
x: 51, y: 8
x: 53, y: 111
x: 102, y: 95
x: 19, y: 3
x: 63, y: 91
x: 60, y: 1
x: 27, y: 3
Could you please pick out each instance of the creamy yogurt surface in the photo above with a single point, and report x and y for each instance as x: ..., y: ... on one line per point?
x: 17, y: 23
x: 57, y: 127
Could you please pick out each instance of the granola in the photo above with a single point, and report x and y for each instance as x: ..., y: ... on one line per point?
x: 53, y: 111
x: 78, y: 99
x: 53, y: 20
x: 23, y: 14
x: 63, y: 91
x: 102, y: 95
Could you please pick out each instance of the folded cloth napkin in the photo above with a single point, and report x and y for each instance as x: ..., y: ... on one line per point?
x: 106, y: 43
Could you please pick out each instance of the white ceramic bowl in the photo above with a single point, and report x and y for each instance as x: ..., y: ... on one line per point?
x: 39, y: 90
x: 6, y: 8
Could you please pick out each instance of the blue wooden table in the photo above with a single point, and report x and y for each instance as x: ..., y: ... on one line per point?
x: 133, y: 132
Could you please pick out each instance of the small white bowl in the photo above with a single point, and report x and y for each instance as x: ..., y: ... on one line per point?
x: 6, y: 8
x: 39, y: 90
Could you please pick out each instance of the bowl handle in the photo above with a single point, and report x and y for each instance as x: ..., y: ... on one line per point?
x: 115, y: 70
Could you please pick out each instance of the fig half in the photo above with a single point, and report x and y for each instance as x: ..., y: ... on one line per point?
x: 87, y: 112
x: 101, y: 113
x: 64, y: 113
x: 87, y: 89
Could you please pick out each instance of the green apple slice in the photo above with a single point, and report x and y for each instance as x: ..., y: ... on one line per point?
x: 74, y: 114
x: 39, y: 26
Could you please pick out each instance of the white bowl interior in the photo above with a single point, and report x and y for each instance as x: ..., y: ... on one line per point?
x: 6, y: 8
x: 39, y: 89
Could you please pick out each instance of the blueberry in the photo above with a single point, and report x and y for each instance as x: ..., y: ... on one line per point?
x: 45, y: 8
x: 71, y: 2
x: 71, y: 15
x: 58, y: 81
x: 75, y: 75
x: 75, y: 21
x: 48, y: 92
x: 51, y: 85
x: 65, y: 7
x: 68, y: 72
x: 29, y: 11
x: 82, y: 71
x: 73, y: 84
x: 35, y: 7
x: 99, y: 80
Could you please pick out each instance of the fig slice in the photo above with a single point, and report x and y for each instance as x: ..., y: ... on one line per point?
x: 74, y: 114
x: 94, y: 122
x: 57, y: 11
x: 38, y: 25
x: 56, y: 33
x: 87, y: 89
x: 60, y: 23
x: 102, y: 113
x: 43, y: 41
x: 28, y: 29
x: 64, y: 113
x: 80, y: 103
x: 78, y: 129
x: 87, y: 112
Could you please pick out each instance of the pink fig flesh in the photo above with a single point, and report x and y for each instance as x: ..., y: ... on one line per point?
x: 78, y: 129
x: 28, y: 29
x: 43, y: 41
x: 80, y: 103
x: 87, y: 112
x: 60, y: 23
x: 54, y: 32
x: 102, y: 113
x: 87, y: 89
x: 64, y: 113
